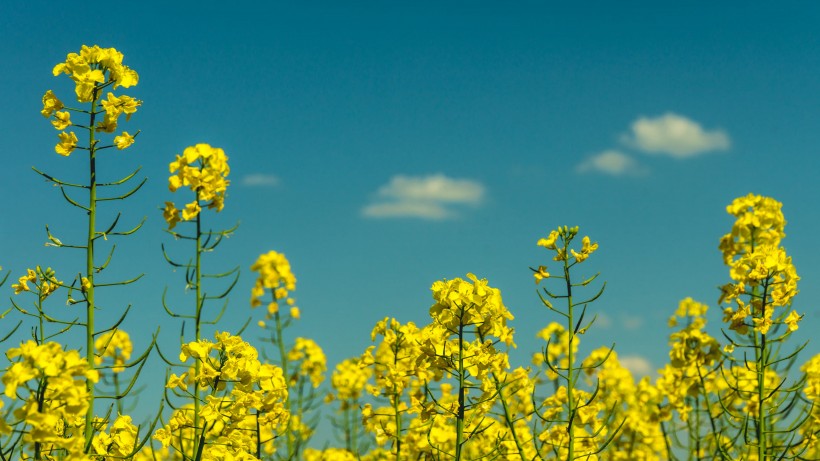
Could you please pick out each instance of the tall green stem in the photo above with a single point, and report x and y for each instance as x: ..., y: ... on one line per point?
x: 570, y: 361
x: 197, y: 325
x: 460, y: 415
x: 89, y: 262
x: 283, y: 358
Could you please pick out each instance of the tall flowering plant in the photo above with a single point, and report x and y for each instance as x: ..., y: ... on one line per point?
x: 758, y: 312
x: 575, y: 423
x: 96, y: 113
x: 304, y: 363
x: 202, y: 171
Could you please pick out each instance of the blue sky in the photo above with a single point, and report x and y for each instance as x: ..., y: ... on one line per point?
x: 385, y: 145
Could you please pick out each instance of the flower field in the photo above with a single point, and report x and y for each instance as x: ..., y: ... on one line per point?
x: 444, y: 390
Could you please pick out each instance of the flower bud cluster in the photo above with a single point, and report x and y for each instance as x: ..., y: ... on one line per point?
x: 274, y: 275
x: 44, y: 282
x: 558, y: 241
x: 758, y: 266
x: 51, y: 382
x: 245, y: 394
x: 204, y: 170
x: 92, y: 70
x: 115, y: 345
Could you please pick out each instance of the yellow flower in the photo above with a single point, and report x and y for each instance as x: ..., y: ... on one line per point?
x: 114, y: 106
x: 171, y: 215
x: 541, y: 274
x: 586, y: 249
x: 549, y: 242
x: 191, y: 211
x: 792, y: 319
x: 116, y: 345
x: 68, y: 142
x: 50, y: 104
x: 294, y: 312
x: 61, y: 120
x: 123, y: 141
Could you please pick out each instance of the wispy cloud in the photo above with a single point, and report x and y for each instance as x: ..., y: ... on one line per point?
x: 630, y: 322
x: 260, y: 180
x: 674, y: 135
x: 637, y: 365
x: 612, y: 162
x: 427, y: 197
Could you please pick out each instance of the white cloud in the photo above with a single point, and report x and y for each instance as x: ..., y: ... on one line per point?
x: 602, y: 321
x: 428, y: 197
x: 611, y: 162
x: 637, y: 365
x: 674, y: 135
x: 631, y: 322
x: 260, y: 180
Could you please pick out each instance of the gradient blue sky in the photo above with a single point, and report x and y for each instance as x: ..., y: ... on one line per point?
x: 384, y: 145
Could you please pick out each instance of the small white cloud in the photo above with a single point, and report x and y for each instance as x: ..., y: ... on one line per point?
x: 428, y: 197
x: 612, y: 162
x: 602, y: 321
x: 637, y: 365
x: 260, y: 180
x: 674, y: 135
x: 406, y: 209
x: 437, y: 188
x: 631, y: 322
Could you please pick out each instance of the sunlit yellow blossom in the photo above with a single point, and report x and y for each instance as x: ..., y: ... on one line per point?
x: 190, y: 211
x: 22, y: 283
x: 541, y: 274
x: 68, y: 142
x: 274, y: 274
x: 549, y: 242
x: 114, y: 106
x: 61, y: 120
x: 123, y: 141
x: 586, y: 249
x: 94, y: 66
x: 115, y: 345
x: 792, y: 319
x: 294, y: 312
x: 311, y: 360
x: 171, y: 215
x: 50, y: 104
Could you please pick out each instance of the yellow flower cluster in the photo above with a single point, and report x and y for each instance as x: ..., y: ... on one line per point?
x: 693, y: 354
x: 637, y: 404
x: 51, y: 383
x: 245, y: 394
x: 349, y: 379
x: 115, y: 345
x: 119, y: 443
x: 204, y: 170
x: 44, y: 282
x: 557, y: 351
x: 311, y: 359
x: 274, y: 275
x: 92, y: 70
x: 393, y: 359
x: 460, y: 302
x: 88, y: 70
x: 758, y: 265
x: 558, y: 241
x: 588, y: 427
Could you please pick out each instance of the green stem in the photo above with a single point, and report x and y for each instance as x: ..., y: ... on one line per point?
x: 283, y: 358
x: 570, y: 359
x: 89, y: 263
x: 460, y: 415
x: 197, y: 328
x: 508, y: 417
